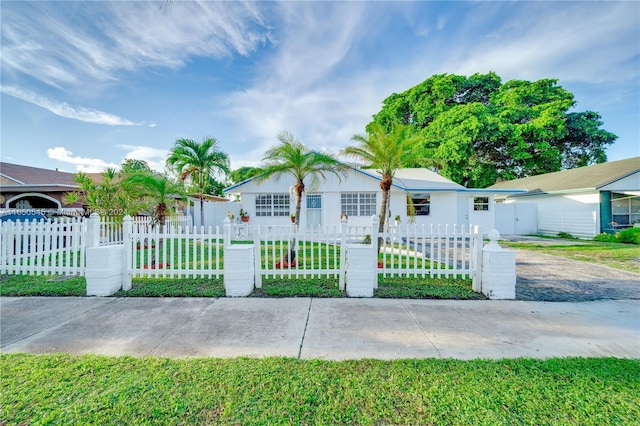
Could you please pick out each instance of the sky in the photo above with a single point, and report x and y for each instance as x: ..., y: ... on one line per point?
x: 86, y: 84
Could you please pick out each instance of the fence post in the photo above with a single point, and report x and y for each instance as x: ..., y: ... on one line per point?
x: 476, y: 249
x: 93, y: 231
x: 226, y: 227
x: 498, y: 270
x: 127, y: 244
x: 375, y: 222
x: 257, y: 257
x: 343, y: 252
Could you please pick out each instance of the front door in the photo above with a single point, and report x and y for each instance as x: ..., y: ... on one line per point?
x: 314, y: 210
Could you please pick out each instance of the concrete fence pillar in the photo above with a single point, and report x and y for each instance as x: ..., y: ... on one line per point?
x: 362, y: 270
x: 239, y: 271
x: 104, y: 270
x: 362, y: 265
x: 498, y: 270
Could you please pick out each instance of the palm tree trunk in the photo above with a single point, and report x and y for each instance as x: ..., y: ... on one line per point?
x: 292, y: 246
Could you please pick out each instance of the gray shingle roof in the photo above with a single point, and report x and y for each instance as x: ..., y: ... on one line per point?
x: 589, y: 177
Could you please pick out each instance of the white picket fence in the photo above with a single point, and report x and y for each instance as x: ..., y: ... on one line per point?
x: 111, y: 228
x: 433, y: 251
x: 406, y: 250
x: 55, y: 247
x: 197, y: 252
x: 173, y: 251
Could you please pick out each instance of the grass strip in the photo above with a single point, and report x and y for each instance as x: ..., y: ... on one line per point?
x: 42, y: 285
x: 298, y: 287
x: 426, y: 288
x: 64, y: 389
x: 174, y: 287
x: 625, y: 257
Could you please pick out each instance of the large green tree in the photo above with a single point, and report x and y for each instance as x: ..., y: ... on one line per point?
x: 385, y: 151
x: 243, y: 173
x: 197, y: 161
x: 132, y: 165
x: 292, y: 157
x: 484, y: 131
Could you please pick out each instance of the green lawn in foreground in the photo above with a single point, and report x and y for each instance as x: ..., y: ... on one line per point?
x: 63, y: 389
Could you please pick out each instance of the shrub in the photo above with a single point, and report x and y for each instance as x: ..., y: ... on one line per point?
x: 605, y: 238
x: 629, y: 236
x: 566, y: 235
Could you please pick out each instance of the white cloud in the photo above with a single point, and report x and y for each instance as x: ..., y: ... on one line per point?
x: 90, y: 42
x: 65, y: 110
x: 594, y: 42
x: 82, y: 164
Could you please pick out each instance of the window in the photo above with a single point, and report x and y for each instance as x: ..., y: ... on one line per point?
x: 419, y: 203
x: 625, y: 209
x: 358, y: 204
x: 272, y: 205
x: 480, y: 204
x: 314, y: 201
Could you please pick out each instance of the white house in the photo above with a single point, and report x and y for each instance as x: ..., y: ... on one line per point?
x: 435, y: 199
x: 583, y: 201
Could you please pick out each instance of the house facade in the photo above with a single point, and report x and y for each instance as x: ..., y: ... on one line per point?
x: 583, y: 201
x: 418, y: 196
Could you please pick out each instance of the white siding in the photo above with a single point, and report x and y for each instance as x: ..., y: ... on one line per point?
x: 630, y: 183
x: 443, y: 204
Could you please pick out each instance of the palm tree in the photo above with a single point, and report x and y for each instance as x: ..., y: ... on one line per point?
x: 292, y: 157
x: 108, y: 196
x: 197, y: 161
x: 156, y: 187
x: 385, y: 152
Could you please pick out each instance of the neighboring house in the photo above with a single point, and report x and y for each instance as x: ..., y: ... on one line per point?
x: 583, y: 201
x: 435, y: 199
x: 25, y: 187
x: 216, y: 209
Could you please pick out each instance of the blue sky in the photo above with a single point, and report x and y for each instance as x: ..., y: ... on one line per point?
x: 87, y: 84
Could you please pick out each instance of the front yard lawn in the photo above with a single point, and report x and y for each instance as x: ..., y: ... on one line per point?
x: 89, y: 389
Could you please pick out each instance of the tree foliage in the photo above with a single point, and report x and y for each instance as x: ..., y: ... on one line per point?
x: 294, y: 158
x: 107, y: 194
x: 385, y: 151
x: 155, y: 188
x: 243, y: 173
x: 131, y: 165
x: 197, y: 162
x: 484, y: 131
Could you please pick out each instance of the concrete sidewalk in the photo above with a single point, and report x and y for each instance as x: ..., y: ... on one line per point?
x: 319, y: 328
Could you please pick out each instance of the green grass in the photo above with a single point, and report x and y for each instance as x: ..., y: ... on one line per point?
x: 64, y: 389
x: 411, y: 288
x: 299, y: 287
x: 42, y: 285
x: 174, y: 287
x: 625, y: 257
x: 425, y: 288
